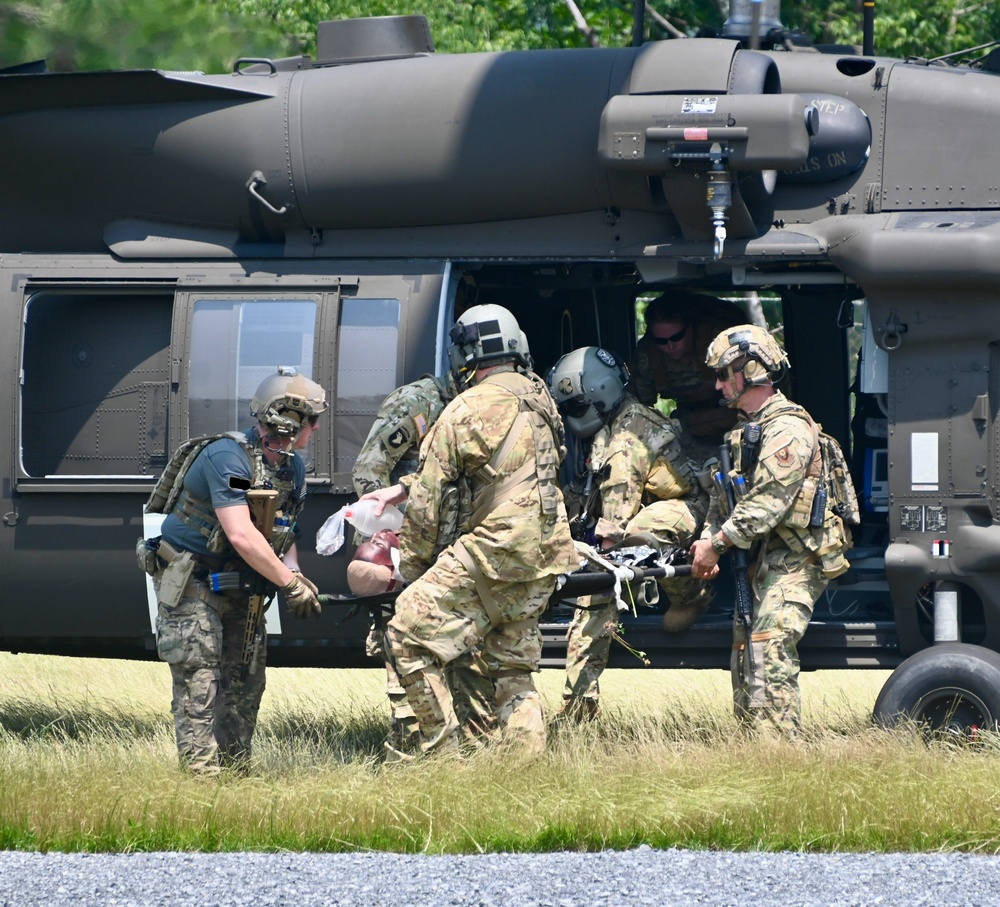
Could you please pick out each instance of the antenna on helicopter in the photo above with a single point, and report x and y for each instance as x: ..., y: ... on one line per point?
x: 638, y: 21
x: 868, y: 33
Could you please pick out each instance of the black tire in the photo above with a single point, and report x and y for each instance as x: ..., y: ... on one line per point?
x: 951, y: 688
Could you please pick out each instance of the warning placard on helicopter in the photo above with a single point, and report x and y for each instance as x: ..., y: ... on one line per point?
x: 700, y: 105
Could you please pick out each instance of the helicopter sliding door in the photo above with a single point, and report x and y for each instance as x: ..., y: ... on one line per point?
x: 111, y: 365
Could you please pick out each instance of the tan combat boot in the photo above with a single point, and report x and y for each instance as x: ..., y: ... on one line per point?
x: 681, y: 614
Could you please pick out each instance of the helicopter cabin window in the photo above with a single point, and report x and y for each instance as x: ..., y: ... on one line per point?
x: 95, y: 380
x: 236, y: 344
x: 367, y: 363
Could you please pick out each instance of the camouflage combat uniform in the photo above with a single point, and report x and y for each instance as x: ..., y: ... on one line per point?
x: 389, y: 453
x: 794, y: 562
x: 641, y: 461
x: 215, y: 702
x: 690, y: 383
x: 404, y: 418
x: 484, y: 536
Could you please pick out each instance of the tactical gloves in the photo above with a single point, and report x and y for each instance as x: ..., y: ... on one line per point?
x: 300, y: 597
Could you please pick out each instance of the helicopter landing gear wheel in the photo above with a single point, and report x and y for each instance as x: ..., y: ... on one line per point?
x: 951, y: 689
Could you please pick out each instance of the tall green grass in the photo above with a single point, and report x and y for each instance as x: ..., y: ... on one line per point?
x: 87, y: 762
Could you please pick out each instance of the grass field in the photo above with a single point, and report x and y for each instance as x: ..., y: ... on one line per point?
x: 87, y: 762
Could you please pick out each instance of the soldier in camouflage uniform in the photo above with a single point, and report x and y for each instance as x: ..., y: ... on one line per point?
x: 484, y: 535
x: 209, y: 528
x: 669, y: 362
x: 646, y: 485
x: 404, y: 418
x: 389, y: 453
x: 791, y: 560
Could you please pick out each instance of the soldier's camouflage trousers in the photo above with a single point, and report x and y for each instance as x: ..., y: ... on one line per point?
x: 404, y: 731
x: 590, y: 633
x: 214, y: 709
x: 440, y: 621
x: 783, y: 604
x: 472, y: 691
x: 587, y: 647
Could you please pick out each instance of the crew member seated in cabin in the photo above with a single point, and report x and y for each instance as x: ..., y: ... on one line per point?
x: 669, y: 363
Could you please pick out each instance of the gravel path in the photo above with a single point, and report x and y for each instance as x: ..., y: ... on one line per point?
x: 638, y: 877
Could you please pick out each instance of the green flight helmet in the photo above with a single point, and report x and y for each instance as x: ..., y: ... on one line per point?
x: 588, y: 386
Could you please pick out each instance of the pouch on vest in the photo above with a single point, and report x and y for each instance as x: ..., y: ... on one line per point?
x: 843, y: 497
x: 834, y: 541
x: 145, y: 555
x: 800, y: 514
x: 453, y: 513
x: 175, y: 579
x: 664, y: 482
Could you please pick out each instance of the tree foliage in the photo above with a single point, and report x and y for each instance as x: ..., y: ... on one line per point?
x: 125, y: 34
x: 210, y: 34
x: 920, y: 28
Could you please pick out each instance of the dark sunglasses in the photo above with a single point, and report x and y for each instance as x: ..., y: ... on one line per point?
x: 722, y: 374
x: 673, y: 338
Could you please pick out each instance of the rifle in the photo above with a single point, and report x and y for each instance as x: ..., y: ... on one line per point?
x: 581, y: 526
x: 741, y: 561
x: 263, y: 503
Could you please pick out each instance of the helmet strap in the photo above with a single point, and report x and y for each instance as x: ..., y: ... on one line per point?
x: 733, y: 369
x: 283, y: 454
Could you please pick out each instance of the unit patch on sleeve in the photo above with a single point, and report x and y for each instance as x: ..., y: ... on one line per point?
x: 398, y: 438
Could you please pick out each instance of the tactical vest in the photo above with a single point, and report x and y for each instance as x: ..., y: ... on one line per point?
x: 825, y: 505
x: 170, y: 497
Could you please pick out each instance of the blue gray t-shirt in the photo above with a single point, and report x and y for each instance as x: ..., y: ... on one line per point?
x: 211, y: 478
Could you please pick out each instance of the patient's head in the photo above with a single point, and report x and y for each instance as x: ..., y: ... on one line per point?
x: 371, y: 570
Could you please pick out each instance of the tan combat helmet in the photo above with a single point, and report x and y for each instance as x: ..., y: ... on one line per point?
x: 283, y: 401
x: 751, y: 350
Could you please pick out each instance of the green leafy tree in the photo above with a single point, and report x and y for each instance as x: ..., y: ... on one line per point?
x: 123, y: 34
x: 921, y: 28
x: 210, y: 34
x: 488, y: 25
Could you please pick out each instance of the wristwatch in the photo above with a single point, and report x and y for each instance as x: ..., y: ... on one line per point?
x: 719, y: 545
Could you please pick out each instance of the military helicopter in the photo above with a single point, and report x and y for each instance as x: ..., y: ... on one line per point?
x: 168, y: 239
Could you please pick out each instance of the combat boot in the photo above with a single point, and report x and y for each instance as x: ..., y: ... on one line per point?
x: 681, y: 614
x: 404, y: 735
x: 578, y: 710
